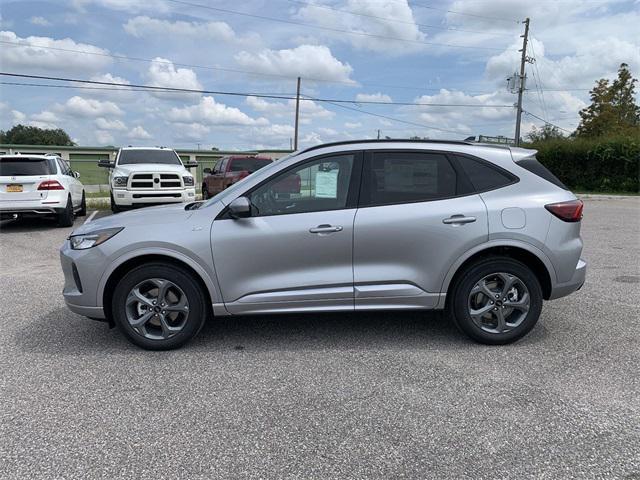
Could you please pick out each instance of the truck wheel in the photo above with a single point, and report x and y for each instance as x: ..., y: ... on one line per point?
x: 65, y: 215
x: 496, y: 301
x: 114, y: 208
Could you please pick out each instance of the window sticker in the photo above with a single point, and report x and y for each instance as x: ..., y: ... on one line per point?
x: 327, y: 184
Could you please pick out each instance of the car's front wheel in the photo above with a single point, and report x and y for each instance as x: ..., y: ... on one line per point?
x: 205, y: 192
x: 114, y: 206
x: 159, y: 306
x: 496, y: 301
x: 83, y: 206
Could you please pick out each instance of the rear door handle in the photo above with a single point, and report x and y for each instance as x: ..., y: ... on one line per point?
x: 458, y: 220
x: 325, y: 229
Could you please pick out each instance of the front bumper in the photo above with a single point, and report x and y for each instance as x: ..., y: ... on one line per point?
x: 130, y: 198
x: 81, y: 269
x: 577, y: 280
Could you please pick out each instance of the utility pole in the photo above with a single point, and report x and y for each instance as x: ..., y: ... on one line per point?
x: 295, y: 134
x: 523, y: 61
x: 378, y: 134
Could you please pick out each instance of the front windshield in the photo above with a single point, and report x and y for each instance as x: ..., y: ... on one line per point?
x: 134, y: 157
x: 239, y: 185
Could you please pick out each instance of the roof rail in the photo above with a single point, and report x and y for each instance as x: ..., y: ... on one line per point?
x: 385, y: 140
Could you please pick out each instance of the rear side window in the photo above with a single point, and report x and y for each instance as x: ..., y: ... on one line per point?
x: 405, y: 177
x: 22, y: 167
x: 482, y: 176
x: 248, y: 164
x: 534, y: 166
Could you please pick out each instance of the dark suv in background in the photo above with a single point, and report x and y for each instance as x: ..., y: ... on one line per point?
x: 229, y: 170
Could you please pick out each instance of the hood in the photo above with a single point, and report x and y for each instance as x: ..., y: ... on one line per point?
x: 162, y: 214
x: 151, y: 168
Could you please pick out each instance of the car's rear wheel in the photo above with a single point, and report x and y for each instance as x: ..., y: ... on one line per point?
x: 83, y: 206
x: 64, y: 217
x: 159, y: 306
x: 496, y: 301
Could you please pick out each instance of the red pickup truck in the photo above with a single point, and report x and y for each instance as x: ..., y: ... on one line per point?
x: 229, y: 170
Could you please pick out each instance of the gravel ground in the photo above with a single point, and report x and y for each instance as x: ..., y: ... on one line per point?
x: 384, y: 395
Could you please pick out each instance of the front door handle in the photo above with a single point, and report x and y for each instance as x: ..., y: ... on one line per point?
x: 325, y: 229
x: 458, y: 220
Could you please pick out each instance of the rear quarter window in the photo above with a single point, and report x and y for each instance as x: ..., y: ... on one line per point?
x: 534, y: 166
x: 482, y: 175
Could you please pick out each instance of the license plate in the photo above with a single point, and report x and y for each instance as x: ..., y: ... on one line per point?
x: 14, y: 188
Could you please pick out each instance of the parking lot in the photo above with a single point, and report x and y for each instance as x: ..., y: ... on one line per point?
x: 373, y: 395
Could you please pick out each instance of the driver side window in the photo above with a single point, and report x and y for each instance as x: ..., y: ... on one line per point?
x: 319, y: 185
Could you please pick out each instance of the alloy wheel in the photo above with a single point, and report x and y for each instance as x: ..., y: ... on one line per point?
x: 499, y: 302
x: 157, y: 308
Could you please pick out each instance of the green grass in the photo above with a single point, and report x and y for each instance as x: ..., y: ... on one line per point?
x: 626, y: 194
x: 90, y: 172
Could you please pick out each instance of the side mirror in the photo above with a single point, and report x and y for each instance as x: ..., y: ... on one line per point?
x: 240, y: 208
x: 106, y: 164
x: 191, y: 164
x: 76, y: 174
x: 207, y: 171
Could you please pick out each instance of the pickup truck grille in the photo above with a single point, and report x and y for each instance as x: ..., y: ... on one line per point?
x: 155, y: 181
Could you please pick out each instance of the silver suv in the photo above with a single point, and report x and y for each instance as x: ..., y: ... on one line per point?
x: 485, y: 232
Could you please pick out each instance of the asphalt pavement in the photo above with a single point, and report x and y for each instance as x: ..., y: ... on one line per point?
x: 372, y: 395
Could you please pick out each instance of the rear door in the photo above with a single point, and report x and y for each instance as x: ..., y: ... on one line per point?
x: 69, y: 180
x: 21, y: 176
x: 416, y: 216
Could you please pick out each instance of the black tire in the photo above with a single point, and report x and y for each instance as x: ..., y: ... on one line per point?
x: 83, y: 206
x: 458, y: 303
x: 198, y: 310
x: 114, y: 207
x: 205, y: 192
x: 65, y: 216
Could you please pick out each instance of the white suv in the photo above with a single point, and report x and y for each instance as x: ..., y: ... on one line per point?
x: 40, y: 185
x: 143, y: 176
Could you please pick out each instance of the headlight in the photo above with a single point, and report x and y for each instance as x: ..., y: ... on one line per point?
x: 188, y: 181
x: 92, y: 239
x: 120, y: 181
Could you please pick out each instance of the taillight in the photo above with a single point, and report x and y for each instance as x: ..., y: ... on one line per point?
x: 567, y: 211
x: 50, y: 185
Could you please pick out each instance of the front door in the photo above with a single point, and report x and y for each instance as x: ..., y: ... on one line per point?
x: 416, y: 217
x: 295, y: 251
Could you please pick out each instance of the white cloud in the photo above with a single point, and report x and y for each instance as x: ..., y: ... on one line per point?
x: 115, y: 93
x: 37, y: 53
x: 40, y: 21
x: 88, y: 108
x: 162, y: 73
x: 193, y: 132
x: 46, y: 116
x: 104, y: 138
x: 209, y: 112
x: 144, y: 26
x: 373, y: 97
x: 311, y: 61
x: 309, y: 110
x: 352, y: 125
x: 110, y: 124
x: 139, y: 133
x: 373, y: 19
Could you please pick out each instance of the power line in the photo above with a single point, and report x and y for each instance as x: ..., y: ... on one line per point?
x: 539, y: 81
x: 549, y: 123
x: 242, y: 94
x: 393, y: 20
x: 331, y: 29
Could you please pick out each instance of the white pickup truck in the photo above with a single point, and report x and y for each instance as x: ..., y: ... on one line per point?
x: 143, y: 176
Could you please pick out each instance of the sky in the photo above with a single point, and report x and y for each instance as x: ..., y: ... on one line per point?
x: 448, y: 60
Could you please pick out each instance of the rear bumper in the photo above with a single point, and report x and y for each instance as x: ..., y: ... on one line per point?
x: 576, y: 282
x: 46, y: 206
x: 130, y: 198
